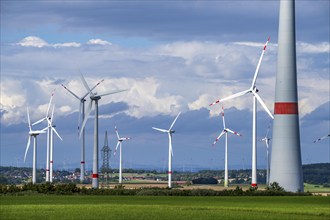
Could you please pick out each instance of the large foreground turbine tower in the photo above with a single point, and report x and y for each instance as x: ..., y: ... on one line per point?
x: 286, y: 168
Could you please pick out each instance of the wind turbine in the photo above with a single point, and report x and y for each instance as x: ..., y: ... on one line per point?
x: 225, y: 132
x: 94, y: 98
x: 81, y: 118
x: 120, y: 144
x: 170, y: 150
x: 266, y: 139
x: 254, y: 91
x: 324, y: 137
x: 49, y: 139
x: 34, y: 134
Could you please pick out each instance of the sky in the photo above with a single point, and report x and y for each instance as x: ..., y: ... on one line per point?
x: 172, y: 56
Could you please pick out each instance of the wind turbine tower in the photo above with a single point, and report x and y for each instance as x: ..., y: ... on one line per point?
x: 286, y: 168
x: 120, y: 144
x: 225, y: 132
x: 94, y: 97
x: 34, y: 134
x: 254, y: 92
x: 82, y: 101
x: 170, y: 150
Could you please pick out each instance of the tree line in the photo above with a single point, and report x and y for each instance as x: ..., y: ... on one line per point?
x: 312, y: 173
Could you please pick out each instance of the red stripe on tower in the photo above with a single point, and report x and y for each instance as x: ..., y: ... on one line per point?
x: 286, y: 108
x: 254, y: 184
x: 169, y: 172
x: 51, y: 161
x: 82, y: 162
x: 95, y: 175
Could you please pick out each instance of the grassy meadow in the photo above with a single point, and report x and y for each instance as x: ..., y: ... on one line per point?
x: 316, y: 188
x: 161, y: 207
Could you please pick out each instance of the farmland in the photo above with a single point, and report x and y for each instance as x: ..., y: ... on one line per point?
x: 161, y: 207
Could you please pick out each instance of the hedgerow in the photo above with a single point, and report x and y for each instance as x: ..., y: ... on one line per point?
x: 71, y: 189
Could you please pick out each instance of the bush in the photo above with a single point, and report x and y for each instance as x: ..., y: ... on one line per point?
x: 202, y: 180
x: 326, y: 185
x: 275, y: 187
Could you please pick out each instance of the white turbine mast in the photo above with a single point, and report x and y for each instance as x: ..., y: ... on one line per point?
x: 225, y: 132
x: 94, y: 97
x: 34, y: 134
x: 81, y: 118
x: 120, y: 144
x: 170, y: 150
x: 266, y: 139
x: 254, y: 91
x: 51, y: 156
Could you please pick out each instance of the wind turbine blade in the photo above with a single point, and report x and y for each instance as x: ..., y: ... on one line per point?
x: 85, y: 83
x: 174, y: 121
x: 262, y: 104
x: 96, y: 85
x: 52, y: 117
x: 28, y: 116
x: 159, y: 129
x: 50, y: 103
x: 267, y: 143
x: 41, y: 120
x: 231, y: 97
x: 118, y: 143
x: 220, y: 135
x: 112, y: 92
x: 223, y: 117
x: 92, y: 88
x: 233, y: 132
x: 117, y: 132
x: 258, y: 66
x: 268, y: 129
x: 86, y: 117
x: 322, y: 138
x: 57, y: 133
x: 27, y: 147
x: 72, y: 93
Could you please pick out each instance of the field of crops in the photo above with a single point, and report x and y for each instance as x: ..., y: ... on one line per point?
x: 158, y: 207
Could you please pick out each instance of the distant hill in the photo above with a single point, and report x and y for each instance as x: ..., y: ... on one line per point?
x: 318, y: 173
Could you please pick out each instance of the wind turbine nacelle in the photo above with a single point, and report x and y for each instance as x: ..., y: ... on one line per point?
x: 172, y: 131
x: 35, y: 133
x: 95, y: 97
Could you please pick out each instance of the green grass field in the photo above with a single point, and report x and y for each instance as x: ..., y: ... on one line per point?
x: 315, y: 188
x: 157, y: 207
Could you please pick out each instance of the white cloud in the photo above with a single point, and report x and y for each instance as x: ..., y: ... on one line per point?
x: 163, y: 79
x: 98, y: 41
x: 69, y: 44
x: 12, y: 101
x: 65, y: 109
x: 323, y: 47
x: 33, y: 41
x: 249, y: 44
